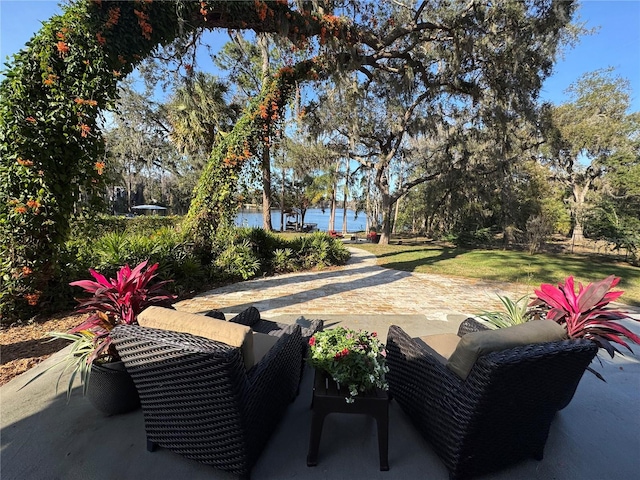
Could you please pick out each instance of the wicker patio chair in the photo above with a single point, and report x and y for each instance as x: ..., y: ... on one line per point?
x: 200, y: 401
x: 251, y: 318
x: 500, y: 414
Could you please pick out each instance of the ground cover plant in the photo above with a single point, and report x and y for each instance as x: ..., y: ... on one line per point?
x: 507, y: 265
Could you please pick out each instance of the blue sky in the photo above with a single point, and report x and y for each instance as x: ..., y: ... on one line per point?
x: 616, y: 44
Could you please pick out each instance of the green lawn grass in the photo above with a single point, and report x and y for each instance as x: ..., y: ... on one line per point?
x: 508, y: 266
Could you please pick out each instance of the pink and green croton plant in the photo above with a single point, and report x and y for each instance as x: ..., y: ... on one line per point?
x: 586, y: 313
x: 116, y: 301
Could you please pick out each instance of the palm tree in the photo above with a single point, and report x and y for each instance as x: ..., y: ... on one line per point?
x: 198, y: 112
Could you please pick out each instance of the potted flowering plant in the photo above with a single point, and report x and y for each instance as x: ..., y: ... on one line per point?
x: 114, y: 301
x: 355, y: 359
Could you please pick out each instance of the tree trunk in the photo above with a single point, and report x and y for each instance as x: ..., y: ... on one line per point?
x: 263, y: 42
x: 579, y: 195
x: 344, y: 198
x: 397, y: 209
x: 266, y: 189
x: 367, y: 207
x: 334, y: 190
x: 387, y: 206
x: 284, y: 178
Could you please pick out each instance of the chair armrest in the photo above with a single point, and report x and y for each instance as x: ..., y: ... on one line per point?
x: 471, y: 325
x: 272, y: 386
x: 414, y: 371
x: 276, y: 358
x: 276, y: 328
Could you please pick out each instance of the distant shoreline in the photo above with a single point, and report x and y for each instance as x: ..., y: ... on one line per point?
x: 250, y: 217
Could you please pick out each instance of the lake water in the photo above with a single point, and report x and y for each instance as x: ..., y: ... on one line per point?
x: 355, y: 223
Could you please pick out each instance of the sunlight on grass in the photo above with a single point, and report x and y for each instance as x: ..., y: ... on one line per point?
x: 508, y: 266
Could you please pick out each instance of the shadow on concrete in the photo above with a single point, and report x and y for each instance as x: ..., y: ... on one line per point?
x: 43, y: 438
x: 381, y: 277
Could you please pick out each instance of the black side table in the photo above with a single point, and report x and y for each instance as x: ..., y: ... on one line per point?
x: 327, y: 398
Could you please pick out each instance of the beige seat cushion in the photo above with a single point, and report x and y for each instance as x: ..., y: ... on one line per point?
x: 476, y: 344
x: 440, y: 346
x: 232, y: 334
x: 262, y: 343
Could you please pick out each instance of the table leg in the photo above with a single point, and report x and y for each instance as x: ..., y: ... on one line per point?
x: 317, y: 420
x: 382, y: 419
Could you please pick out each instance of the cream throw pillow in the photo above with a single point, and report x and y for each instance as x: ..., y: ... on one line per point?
x: 232, y: 334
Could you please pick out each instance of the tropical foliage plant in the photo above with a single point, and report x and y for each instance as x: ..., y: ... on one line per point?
x: 515, y: 312
x: 283, y: 260
x: 353, y: 358
x: 124, y: 297
x: 114, y: 301
x: 586, y: 313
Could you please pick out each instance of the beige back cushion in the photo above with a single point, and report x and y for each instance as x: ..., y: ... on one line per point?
x: 440, y: 346
x: 476, y: 344
x: 232, y: 334
x: 262, y: 343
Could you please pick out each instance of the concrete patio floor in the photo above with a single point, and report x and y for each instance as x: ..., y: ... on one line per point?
x: 596, y: 437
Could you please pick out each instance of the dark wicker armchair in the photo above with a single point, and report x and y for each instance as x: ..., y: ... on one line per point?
x: 251, y: 318
x: 500, y: 414
x: 199, y: 400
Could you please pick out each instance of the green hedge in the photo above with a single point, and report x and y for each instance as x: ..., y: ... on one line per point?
x: 237, y: 254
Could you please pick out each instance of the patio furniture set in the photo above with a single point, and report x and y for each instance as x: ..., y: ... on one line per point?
x: 214, y: 391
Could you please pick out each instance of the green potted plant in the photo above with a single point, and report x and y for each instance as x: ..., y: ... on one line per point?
x: 92, y: 356
x: 515, y: 312
x: 355, y: 359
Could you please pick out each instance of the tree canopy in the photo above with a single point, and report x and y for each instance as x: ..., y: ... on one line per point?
x: 454, y: 54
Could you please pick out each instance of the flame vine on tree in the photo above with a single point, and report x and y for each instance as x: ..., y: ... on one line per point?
x: 51, y: 145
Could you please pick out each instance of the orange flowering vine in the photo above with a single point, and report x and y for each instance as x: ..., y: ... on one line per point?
x: 82, y: 101
x: 63, y: 48
x: 32, y: 298
x: 21, y: 209
x: 51, y: 79
x: 26, y: 271
x: 31, y: 120
x: 144, y: 24
x: 114, y: 16
x: 261, y: 9
x: 84, y: 130
x: 100, y: 167
x: 33, y: 204
x: 25, y: 163
x: 100, y: 38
